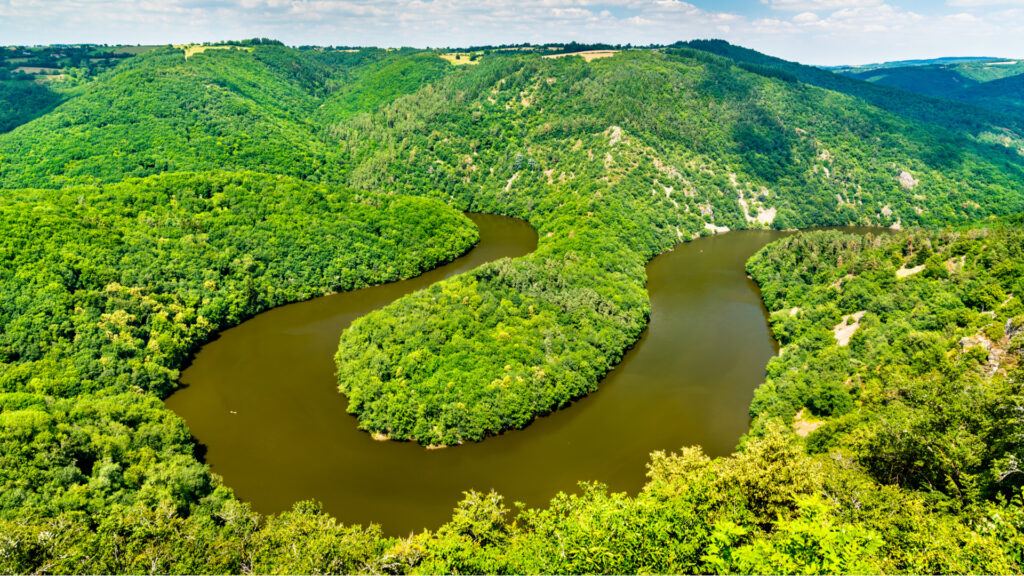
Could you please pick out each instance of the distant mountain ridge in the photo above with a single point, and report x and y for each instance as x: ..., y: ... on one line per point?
x: 996, y: 84
x: 931, y: 110
x: 915, y: 62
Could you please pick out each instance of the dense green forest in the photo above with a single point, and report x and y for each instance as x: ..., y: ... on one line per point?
x: 948, y: 114
x: 925, y: 392
x: 269, y: 175
x: 107, y: 290
x: 23, y: 100
x: 584, y: 152
x: 34, y: 80
x: 995, y: 84
x: 254, y: 107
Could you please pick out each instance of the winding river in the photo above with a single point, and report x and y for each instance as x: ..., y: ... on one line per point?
x: 262, y: 398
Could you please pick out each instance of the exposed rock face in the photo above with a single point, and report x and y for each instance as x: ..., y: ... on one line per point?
x: 754, y: 210
x: 665, y: 169
x: 766, y: 216
x: 614, y: 135
x: 904, y: 271
x: 907, y: 180
x: 994, y: 350
x: 1013, y: 328
x: 845, y: 329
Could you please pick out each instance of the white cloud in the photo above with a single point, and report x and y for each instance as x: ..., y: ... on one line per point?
x: 818, y: 5
x: 773, y: 26
x: 983, y: 3
x: 852, y: 20
x: 963, y: 17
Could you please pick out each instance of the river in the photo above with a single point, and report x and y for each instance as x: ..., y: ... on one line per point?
x: 262, y: 398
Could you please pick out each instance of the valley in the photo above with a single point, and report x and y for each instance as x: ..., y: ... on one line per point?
x: 260, y: 397
x: 245, y: 327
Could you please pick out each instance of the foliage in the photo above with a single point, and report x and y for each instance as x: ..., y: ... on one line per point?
x: 22, y: 100
x: 612, y: 161
x: 107, y: 285
x: 997, y: 85
x: 376, y: 78
x: 106, y: 291
x: 949, y: 115
x: 927, y: 380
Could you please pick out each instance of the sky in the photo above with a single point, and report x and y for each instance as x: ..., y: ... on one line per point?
x: 823, y: 32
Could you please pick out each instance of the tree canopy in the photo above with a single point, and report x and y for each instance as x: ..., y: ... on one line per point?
x: 185, y: 189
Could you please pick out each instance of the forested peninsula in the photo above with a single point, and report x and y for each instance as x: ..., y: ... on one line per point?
x: 183, y: 190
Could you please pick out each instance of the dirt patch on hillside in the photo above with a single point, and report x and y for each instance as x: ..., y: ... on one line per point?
x: 846, y: 329
x: 904, y: 271
x: 508, y: 185
x: 803, y: 424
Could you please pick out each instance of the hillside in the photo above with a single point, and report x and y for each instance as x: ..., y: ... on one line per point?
x: 273, y: 175
x: 370, y: 79
x: 993, y: 84
x: 34, y: 80
x: 1005, y: 94
x: 22, y: 101
x: 926, y: 62
x: 252, y: 107
x: 160, y: 112
x: 916, y: 346
x: 613, y: 161
x: 937, y: 81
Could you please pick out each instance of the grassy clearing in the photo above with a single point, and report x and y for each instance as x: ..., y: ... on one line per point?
x: 193, y: 49
x: 459, y: 58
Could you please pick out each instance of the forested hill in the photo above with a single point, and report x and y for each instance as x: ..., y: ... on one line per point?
x: 614, y: 161
x: 323, y: 157
x: 951, y: 115
x: 805, y: 152
x: 1004, y: 94
x: 190, y: 108
x: 162, y: 112
x: 995, y: 84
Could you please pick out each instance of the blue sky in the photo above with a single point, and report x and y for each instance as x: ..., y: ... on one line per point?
x: 810, y: 31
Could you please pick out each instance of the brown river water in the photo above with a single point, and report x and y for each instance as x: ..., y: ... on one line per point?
x: 262, y: 398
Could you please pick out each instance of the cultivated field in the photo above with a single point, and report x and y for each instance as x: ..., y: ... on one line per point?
x: 587, y: 55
